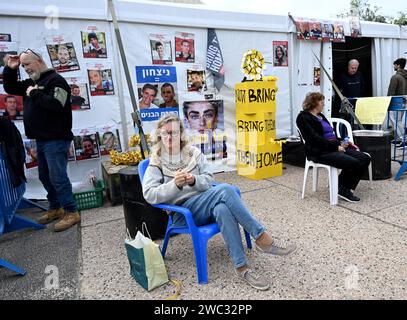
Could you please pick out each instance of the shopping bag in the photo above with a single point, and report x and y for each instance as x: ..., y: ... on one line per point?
x: 146, y: 262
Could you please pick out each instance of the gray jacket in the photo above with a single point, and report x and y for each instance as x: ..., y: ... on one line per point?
x: 158, y: 182
x: 398, y: 84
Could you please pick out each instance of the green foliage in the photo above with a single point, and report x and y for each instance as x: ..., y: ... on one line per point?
x: 365, y: 12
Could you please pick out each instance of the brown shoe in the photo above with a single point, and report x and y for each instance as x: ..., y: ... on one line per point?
x: 51, y: 215
x: 67, y: 221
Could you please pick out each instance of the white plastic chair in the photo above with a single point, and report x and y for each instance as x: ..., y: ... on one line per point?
x: 336, y: 122
x: 332, y: 176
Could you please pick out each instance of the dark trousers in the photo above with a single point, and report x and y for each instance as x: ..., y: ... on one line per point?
x: 353, y: 164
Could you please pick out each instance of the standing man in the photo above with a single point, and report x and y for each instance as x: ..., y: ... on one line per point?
x: 398, y: 87
x: 48, y: 120
x: 352, y: 85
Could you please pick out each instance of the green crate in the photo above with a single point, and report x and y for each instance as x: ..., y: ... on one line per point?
x: 90, y: 199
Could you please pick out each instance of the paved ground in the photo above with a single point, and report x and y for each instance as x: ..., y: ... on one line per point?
x: 349, y: 251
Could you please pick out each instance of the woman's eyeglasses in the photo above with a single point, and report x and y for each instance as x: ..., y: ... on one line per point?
x: 166, y: 134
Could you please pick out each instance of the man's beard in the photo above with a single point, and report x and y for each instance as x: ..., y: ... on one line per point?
x: 35, y: 76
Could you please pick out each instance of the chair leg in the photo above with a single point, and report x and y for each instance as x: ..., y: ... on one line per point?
x: 12, y: 267
x: 200, y: 258
x: 370, y: 175
x: 305, y: 180
x: 165, y: 243
x: 315, y: 178
x: 333, y: 186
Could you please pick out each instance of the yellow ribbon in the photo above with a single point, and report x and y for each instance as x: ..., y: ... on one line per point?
x: 177, y: 293
x: 253, y: 64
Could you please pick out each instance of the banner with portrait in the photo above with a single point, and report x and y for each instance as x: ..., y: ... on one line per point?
x: 327, y: 31
x: 355, y: 29
x: 109, y: 139
x: 5, y: 37
x: 93, y: 43
x: 205, y: 127
x: 161, y: 49
x: 100, y: 80
x: 86, y: 144
x: 302, y: 27
x: 157, y: 92
x: 62, y: 54
x: 6, y: 48
x: 184, y: 47
x: 196, y: 79
x: 30, y: 147
x: 79, y: 93
x: 11, y: 106
x: 339, y: 32
x: 280, y: 51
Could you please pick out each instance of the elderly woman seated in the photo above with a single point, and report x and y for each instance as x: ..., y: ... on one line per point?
x: 322, y: 146
x: 179, y: 174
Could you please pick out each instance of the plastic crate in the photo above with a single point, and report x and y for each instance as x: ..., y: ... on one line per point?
x: 90, y: 199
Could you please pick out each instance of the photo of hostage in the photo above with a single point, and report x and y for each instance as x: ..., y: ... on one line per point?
x: 185, y: 54
x: 64, y: 60
x: 159, y: 54
x: 87, y: 148
x: 11, y: 108
x: 109, y: 142
x: 168, y: 95
x: 48, y: 120
x: 323, y: 146
x: 148, y: 95
x: 201, y: 115
x: 179, y: 174
x: 196, y: 80
x: 94, y: 49
x: 100, y: 83
x: 280, y: 56
x: 76, y: 100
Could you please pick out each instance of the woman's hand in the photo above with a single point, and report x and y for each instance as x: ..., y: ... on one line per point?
x: 190, y: 179
x: 180, y: 179
x: 341, y: 149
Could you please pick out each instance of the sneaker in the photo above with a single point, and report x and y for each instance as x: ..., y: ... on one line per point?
x: 67, y: 221
x: 256, y: 281
x: 278, y: 247
x: 51, y: 215
x: 347, y: 195
x: 400, y: 145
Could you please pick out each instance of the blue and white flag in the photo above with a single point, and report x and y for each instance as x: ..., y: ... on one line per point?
x: 214, y: 59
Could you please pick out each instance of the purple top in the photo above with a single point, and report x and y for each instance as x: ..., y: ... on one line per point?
x: 328, y: 130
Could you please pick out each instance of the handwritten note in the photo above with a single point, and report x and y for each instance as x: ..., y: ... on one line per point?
x: 372, y: 110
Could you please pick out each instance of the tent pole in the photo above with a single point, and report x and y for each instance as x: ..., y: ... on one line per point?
x: 135, y: 114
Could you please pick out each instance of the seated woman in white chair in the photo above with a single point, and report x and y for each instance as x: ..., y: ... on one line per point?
x: 323, y: 146
x: 179, y: 174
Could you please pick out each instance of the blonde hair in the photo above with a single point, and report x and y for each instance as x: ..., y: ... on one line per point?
x: 168, y: 118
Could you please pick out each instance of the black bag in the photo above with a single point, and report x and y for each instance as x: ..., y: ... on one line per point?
x: 294, y: 153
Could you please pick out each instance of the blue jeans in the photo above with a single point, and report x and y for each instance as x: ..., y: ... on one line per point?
x: 221, y: 204
x: 52, y: 169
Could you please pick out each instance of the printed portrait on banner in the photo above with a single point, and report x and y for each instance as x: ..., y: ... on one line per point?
x: 100, y: 81
x: 11, y: 106
x: 280, y: 51
x: 93, y: 44
x: 302, y: 27
x: 157, y: 92
x: 317, y: 76
x: 109, y: 139
x: 339, y: 32
x: 5, y: 37
x: 63, y: 57
x: 7, y: 48
x: 79, y: 94
x: 86, y: 146
x: 30, y: 147
x: 204, y: 126
x: 184, y: 47
x: 315, y: 32
x: 196, y: 80
x: 327, y: 31
x: 355, y: 29
x: 161, y: 50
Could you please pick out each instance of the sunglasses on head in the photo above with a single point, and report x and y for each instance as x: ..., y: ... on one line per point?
x: 32, y: 51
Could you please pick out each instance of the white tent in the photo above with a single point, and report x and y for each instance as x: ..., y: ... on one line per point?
x: 32, y: 24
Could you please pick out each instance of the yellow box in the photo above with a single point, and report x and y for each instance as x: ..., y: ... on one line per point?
x: 259, y: 162
x: 255, y: 129
x: 256, y: 96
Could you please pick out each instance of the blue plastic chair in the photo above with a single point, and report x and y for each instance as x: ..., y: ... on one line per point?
x: 12, y: 199
x: 200, y: 234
